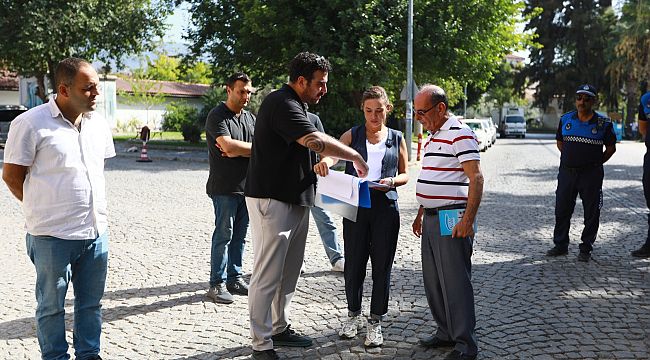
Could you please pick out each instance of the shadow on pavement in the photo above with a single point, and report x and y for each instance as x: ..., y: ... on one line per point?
x: 25, y: 327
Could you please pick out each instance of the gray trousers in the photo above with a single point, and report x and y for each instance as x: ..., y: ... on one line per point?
x: 447, y: 273
x: 279, y: 232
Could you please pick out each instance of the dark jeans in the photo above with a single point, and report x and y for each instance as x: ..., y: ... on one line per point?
x: 373, y: 235
x: 646, y: 189
x: 587, y: 182
x: 230, y: 225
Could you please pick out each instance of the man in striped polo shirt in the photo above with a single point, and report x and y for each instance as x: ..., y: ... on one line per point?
x: 450, y: 178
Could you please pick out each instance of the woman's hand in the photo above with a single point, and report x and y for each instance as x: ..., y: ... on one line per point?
x: 390, y: 181
x: 321, y: 168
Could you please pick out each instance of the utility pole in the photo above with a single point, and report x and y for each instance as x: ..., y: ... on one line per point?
x: 409, y: 83
x: 465, y: 103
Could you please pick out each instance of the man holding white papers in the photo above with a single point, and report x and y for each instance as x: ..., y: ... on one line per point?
x: 279, y: 192
x: 451, y: 180
x: 323, y: 219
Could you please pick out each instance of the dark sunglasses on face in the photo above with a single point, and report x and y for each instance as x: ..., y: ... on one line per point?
x: 584, y: 98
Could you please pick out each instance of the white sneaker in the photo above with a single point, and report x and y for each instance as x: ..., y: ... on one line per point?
x: 374, y: 337
x: 351, y: 326
x: 339, y: 265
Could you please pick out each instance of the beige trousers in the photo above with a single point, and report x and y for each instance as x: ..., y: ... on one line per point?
x: 279, y: 233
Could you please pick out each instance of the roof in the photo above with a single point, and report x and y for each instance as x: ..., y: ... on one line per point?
x: 515, y: 58
x: 169, y: 88
x: 8, y: 80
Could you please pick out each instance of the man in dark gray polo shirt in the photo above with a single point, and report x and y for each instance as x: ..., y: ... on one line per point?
x: 229, y: 132
x: 279, y: 191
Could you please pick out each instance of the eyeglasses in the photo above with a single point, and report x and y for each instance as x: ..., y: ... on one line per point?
x: 422, y: 112
x: 584, y: 98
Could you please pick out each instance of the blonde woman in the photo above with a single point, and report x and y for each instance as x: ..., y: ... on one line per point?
x: 374, y: 234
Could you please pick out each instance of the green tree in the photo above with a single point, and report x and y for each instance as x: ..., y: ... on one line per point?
x: 36, y: 34
x: 197, y: 73
x: 172, y: 68
x: 164, y: 68
x: 502, y: 89
x: 631, y: 54
x: 573, y: 37
x: 454, y: 42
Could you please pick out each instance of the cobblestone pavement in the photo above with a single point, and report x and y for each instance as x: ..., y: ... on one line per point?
x: 528, y: 306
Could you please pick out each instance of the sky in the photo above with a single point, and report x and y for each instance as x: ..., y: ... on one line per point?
x: 177, y: 23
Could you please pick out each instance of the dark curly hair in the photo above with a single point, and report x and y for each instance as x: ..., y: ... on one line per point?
x: 306, y: 64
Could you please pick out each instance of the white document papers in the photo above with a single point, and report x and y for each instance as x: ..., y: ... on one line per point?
x: 339, y: 186
x: 342, y: 194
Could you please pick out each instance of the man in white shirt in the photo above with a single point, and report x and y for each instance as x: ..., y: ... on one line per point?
x: 54, y: 164
x: 450, y: 179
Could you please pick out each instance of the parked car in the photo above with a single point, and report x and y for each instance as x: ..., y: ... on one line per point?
x: 7, y: 114
x: 480, y: 129
x: 491, y: 130
x: 494, y: 127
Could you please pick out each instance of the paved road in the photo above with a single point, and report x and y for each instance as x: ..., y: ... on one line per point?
x: 528, y: 306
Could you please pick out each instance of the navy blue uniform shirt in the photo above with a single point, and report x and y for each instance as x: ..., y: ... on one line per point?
x: 582, y: 142
x: 644, y: 113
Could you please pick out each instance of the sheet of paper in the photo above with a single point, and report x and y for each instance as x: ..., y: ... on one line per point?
x: 342, y: 208
x: 339, y: 186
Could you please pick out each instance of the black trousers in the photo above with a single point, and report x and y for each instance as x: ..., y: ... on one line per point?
x: 373, y: 235
x: 646, y: 189
x: 587, y: 182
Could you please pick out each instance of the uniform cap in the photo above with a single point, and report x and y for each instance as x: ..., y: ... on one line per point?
x: 587, y: 90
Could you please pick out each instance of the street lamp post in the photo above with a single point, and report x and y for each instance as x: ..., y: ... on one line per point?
x: 409, y: 82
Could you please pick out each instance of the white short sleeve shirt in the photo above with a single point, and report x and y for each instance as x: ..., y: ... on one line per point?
x: 442, y: 180
x: 64, y: 193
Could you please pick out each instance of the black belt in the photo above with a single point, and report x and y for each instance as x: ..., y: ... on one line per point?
x: 434, y: 211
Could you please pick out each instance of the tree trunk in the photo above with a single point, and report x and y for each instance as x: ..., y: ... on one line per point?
x: 40, y: 79
x: 632, y: 103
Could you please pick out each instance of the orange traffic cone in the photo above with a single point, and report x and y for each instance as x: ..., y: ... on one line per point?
x: 143, y: 154
x: 419, y: 146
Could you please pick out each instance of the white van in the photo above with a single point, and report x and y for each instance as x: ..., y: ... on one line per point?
x: 514, y: 125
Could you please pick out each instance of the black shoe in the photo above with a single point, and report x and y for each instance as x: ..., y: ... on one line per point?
x: 557, y: 251
x: 238, y: 287
x: 265, y: 355
x: 459, y: 355
x: 642, y: 252
x: 584, y: 256
x: 436, y: 342
x: 291, y: 338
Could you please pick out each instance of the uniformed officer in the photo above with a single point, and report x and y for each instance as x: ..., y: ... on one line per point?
x: 580, y: 137
x: 644, y: 116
